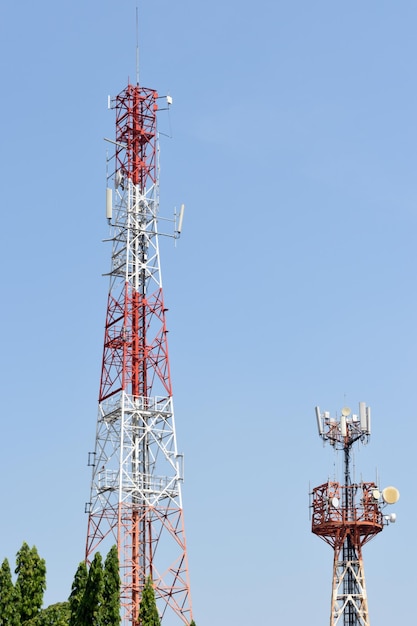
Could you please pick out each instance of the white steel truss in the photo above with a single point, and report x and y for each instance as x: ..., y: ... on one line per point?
x: 135, y: 498
x: 349, y: 603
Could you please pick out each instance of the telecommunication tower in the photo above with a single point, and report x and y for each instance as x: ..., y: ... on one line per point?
x: 347, y: 516
x: 135, y: 499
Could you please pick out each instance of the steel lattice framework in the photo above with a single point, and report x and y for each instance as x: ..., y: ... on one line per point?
x: 135, y: 496
x: 347, y: 516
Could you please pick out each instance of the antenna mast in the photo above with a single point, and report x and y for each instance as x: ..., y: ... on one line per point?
x: 135, y: 499
x: 137, y: 45
x: 347, y: 516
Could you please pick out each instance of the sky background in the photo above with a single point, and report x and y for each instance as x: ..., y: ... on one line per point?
x: 292, y: 142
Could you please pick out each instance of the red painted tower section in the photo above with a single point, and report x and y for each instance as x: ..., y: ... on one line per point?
x: 135, y: 498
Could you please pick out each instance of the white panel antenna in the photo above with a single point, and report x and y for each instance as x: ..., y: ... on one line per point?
x: 362, y: 417
x: 368, y: 420
x: 343, y: 425
x: 180, y: 219
x: 109, y: 203
x: 319, y: 421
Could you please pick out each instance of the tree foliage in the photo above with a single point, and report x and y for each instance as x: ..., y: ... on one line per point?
x: 148, y: 612
x: 111, y: 590
x: 54, y: 615
x: 89, y: 611
x: 77, y: 592
x: 9, y: 611
x: 30, y: 583
x: 94, y: 598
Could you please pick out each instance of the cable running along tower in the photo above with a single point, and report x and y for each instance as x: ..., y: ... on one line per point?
x: 135, y: 498
x: 348, y: 515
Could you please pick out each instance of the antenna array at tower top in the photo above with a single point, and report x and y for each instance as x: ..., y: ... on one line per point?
x: 344, y: 430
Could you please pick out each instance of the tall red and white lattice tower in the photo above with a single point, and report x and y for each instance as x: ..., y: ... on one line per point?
x: 135, y: 498
x: 347, y: 516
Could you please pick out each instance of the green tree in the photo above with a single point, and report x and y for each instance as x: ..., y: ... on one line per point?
x: 148, y: 613
x: 77, y: 592
x: 192, y: 623
x: 30, y: 583
x: 110, y: 615
x: 89, y: 611
x: 54, y: 615
x: 9, y: 614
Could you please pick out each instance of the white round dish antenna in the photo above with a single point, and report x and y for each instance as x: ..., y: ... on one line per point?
x: 346, y: 411
x: 376, y: 494
x: 390, y: 495
x: 392, y: 517
x: 334, y: 502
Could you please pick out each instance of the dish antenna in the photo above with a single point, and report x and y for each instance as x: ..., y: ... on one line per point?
x: 390, y: 495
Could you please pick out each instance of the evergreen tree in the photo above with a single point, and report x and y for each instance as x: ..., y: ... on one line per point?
x: 111, y: 591
x: 77, y: 592
x: 192, y: 623
x: 9, y: 615
x: 148, y: 613
x: 89, y: 611
x: 30, y: 583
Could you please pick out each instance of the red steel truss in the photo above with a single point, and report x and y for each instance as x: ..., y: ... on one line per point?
x: 136, y: 493
x: 333, y: 521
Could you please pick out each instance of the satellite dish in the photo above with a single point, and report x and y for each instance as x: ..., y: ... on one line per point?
x: 335, y: 502
x: 346, y: 411
x: 376, y: 494
x: 390, y: 495
x: 392, y: 517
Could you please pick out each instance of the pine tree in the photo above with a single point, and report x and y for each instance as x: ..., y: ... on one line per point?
x: 89, y: 611
x: 30, y: 583
x: 9, y: 615
x: 148, y: 613
x: 192, y: 623
x: 77, y: 592
x: 111, y: 591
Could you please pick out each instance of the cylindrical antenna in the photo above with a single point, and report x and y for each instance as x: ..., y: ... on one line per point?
x: 368, y: 420
x: 109, y: 203
x: 362, y: 416
x: 319, y: 421
x: 180, y: 218
x: 343, y: 426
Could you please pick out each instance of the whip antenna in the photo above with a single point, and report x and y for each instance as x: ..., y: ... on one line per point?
x: 137, y: 45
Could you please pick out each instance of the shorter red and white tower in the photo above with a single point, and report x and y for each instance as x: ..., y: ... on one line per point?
x: 348, y: 515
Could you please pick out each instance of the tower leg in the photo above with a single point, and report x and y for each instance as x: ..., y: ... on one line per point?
x: 349, y: 604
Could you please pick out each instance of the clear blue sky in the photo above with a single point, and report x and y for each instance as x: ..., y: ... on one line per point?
x: 293, y: 147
